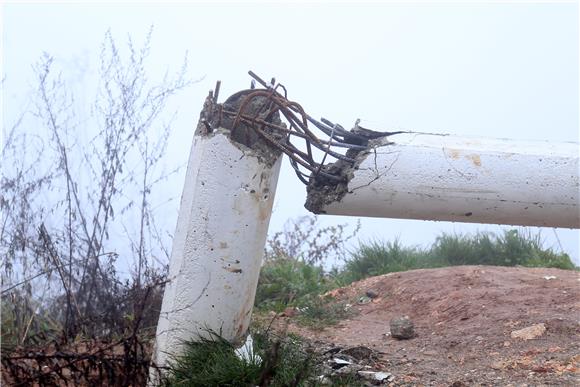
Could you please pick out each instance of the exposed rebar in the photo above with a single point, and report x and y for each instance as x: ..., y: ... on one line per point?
x: 283, y: 137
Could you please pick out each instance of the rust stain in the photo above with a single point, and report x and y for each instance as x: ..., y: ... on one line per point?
x: 454, y: 153
x: 242, y: 320
x: 475, y: 159
x: 264, y: 211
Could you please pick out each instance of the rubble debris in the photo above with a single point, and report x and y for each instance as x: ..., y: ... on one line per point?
x: 372, y: 294
x: 376, y: 377
x: 358, y: 361
x: 402, y: 328
x: 337, y: 363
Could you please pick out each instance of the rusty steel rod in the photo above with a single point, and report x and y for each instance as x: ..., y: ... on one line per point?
x: 298, y: 128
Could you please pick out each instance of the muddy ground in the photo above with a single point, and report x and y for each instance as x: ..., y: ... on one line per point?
x: 463, y: 318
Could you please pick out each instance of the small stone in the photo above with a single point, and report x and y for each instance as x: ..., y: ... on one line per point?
x: 372, y: 294
x: 375, y: 377
x: 402, y: 328
x: 530, y: 332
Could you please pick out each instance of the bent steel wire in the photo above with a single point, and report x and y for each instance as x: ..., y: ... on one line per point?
x: 297, y: 129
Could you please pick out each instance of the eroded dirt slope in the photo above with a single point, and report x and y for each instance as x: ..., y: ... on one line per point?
x: 464, y: 317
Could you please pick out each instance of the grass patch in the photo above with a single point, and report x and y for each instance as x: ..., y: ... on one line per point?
x: 377, y: 257
x: 290, y: 282
x: 287, y: 361
x: 512, y: 248
x: 211, y: 362
x: 286, y: 282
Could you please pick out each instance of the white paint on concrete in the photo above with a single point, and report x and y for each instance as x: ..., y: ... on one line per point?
x: 218, y: 244
x: 463, y: 179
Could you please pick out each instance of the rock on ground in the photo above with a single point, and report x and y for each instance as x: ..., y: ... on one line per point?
x: 402, y: 328
x: 530, y: 332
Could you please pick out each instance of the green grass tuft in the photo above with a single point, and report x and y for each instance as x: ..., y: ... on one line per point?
x: 376, y: 258
x: 213, y: 362
x: 290, y: 282
x: 512, y: 248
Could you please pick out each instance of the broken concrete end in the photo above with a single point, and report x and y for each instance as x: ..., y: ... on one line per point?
x: 220, y: 118
x: 322, y: 192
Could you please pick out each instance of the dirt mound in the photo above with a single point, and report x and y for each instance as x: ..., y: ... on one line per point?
x: 464, y: 318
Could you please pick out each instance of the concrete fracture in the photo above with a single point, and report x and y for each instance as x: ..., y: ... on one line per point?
x: 460, y: 179
x: 220, y: 235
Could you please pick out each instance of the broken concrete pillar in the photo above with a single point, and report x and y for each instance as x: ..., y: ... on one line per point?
x: 221, y: 231
x: 460, y: 179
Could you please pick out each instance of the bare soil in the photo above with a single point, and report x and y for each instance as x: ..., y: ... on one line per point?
x: 463, y: 319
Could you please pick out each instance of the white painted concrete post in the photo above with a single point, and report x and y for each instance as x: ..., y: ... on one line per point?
x: 462, y: 179
x: 218, y: 243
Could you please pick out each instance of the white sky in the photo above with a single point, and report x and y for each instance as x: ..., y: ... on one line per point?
x: 484, y: 69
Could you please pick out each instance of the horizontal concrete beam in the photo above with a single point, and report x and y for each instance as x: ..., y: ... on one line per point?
x: 459, y: 179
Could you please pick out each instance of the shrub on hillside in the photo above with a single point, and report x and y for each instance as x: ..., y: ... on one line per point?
x: 293, y: 272
x: 378, y: 257
x: 512, y: 248
x: 287, y: 281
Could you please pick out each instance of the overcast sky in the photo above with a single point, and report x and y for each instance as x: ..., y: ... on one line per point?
x: 483, y: 69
